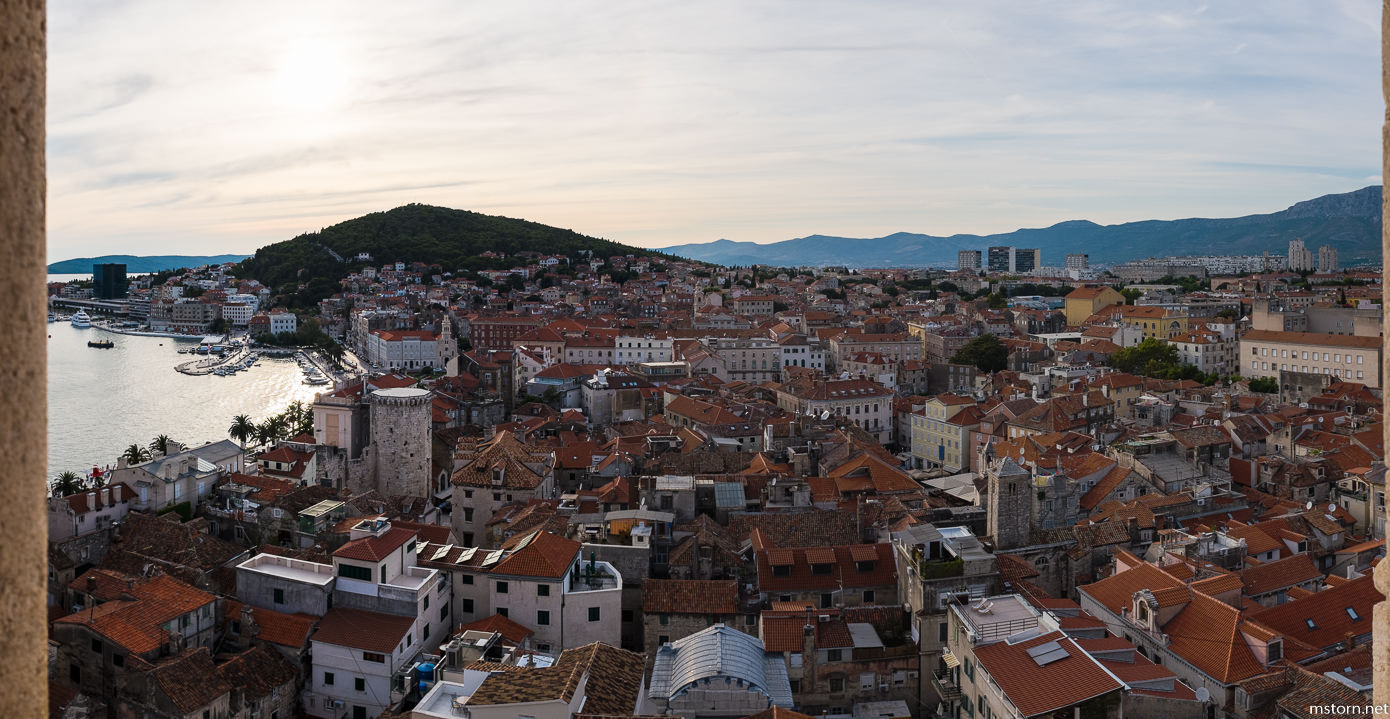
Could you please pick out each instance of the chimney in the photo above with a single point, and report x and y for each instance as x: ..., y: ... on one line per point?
x: 91, y: 501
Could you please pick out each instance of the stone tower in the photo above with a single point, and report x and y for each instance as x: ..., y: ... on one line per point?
x: 1008, y: 506
x: 400, y: 450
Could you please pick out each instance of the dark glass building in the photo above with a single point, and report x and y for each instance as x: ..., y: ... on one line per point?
x: 108, y: 282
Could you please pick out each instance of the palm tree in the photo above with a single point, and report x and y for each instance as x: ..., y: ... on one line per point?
x: 242, y: 429
x: 67, y: 483
x: 160, y: 445
x: 135, y: 454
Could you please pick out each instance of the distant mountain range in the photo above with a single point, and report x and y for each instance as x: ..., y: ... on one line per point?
x: 1351, y: 222
x: 135, y: 264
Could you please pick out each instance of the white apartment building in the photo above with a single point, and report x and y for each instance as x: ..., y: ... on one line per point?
x: 238, y: 314
x: 749, y: 359
x: 797, y: 351
x: 386, y: 611
x: 403, y: 349
x: 538, y: 580
x: 1349, y: 358
x: 282, y: 322
x: 631, y: 349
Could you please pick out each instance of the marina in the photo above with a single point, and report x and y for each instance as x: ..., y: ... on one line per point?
x: 102, y: 402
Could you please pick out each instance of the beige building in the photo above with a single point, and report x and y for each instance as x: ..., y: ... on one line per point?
x: 1083, y: 302
x: 1348, y: 358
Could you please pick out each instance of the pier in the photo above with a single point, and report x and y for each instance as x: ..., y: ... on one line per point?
x: 208, y: 365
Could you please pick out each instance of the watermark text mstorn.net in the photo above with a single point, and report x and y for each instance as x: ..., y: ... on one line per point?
x: 1347, y: 710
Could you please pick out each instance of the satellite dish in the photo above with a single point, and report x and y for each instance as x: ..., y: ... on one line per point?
x: 1203, y: 694
x: 1331, y: 508
x: 1310, y: 505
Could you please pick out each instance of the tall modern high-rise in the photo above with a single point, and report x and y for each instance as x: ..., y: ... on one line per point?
x: 1025, y: 260
x: 1300, y: 257
x: 1078, y: 262
x: 968, y: 260
x: 108, y: 281
x: 1001, y: 259
x: 1327, y: 258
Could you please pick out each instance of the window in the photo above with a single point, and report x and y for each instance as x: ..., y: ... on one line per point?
x: 96, y: 645
x: 328, y: 679
x: 502, y: 611
x: 444, y: 611
x: 466, y: 578
x: 501, y: 587
x: 593, y: 614
x: 833, y: 655
x: 821, y: 568
x: 118, y: 659
x: 542, y: 590
x: 1351, y: 612
x: 468, y: 606
x: 941, y: 632
x: 868, y: 596
x: 374, y: 657
x: 663, y: 639
x: 359, y: 712
x: 279, y: 596
x: 663, y: 619
x: 826, y: 601
x: 781, y: 570
x: 864, y: 567
x: 353, y: 572
x: 837, y: 684
x: 1275, y: 651
x: 543, y: 618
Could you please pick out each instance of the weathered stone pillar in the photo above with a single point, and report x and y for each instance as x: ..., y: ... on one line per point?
x: 1381, y: 638
x: 23, y: 393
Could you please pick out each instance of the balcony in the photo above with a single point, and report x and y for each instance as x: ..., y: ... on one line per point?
x: 945, y: 687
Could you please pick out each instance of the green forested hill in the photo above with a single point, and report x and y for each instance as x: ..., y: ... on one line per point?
x: 452, y: 239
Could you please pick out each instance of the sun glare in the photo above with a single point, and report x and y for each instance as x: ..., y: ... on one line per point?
x: 311, y: 75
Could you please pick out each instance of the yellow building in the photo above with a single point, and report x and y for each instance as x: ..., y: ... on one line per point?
x: 941, y: 432
x: 1083, y: 302
x: 1153, y: 321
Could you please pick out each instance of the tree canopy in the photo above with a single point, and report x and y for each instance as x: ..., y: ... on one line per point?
x: 985, y: 352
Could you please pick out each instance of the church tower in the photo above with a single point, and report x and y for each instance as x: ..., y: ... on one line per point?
x: 1008, y: 506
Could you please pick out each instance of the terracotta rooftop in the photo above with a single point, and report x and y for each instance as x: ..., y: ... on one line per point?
x: 1038, y: 689
x: 690, y: 596
x: 375, y: 549
x: 359, y: 629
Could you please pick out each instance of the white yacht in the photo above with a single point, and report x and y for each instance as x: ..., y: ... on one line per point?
x: 81, y: 319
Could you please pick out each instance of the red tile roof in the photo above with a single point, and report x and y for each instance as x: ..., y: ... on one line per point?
x: 844, y: 573
x: 510, y: 630
x: 541, y: 554
x: 1281, y: 574
x: 1327, y: 610
x: 690, y: 596
x: 1056, y: 685
x: 375, y: 549
x: 359, y: 629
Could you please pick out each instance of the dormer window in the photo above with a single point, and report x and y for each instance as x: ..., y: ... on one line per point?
x: 864, y: 567
x: 1275, y: 651
x: 781, y: 570
x: 821, y: 568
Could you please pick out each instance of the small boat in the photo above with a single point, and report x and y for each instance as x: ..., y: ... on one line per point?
x: 81, y: 319
x: 101, y: 344
x: 316, y: 380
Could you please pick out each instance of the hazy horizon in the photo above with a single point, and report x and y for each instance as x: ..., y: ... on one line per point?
x: 191, y: 129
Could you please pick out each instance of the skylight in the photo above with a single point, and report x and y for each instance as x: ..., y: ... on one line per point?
x: 1351, y: 612
x: 1047, y: 653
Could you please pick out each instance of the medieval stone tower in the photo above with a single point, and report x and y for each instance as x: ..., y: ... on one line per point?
x: 399, y: 453
x: 1009, y: 506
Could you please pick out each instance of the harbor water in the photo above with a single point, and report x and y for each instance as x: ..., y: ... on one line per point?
x: 101, y: 401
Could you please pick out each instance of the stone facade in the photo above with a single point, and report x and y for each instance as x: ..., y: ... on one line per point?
x: 400, y: 449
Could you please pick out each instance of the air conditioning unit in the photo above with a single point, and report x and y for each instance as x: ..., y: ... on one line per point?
x: 824, y: 617
x: 333, y: 703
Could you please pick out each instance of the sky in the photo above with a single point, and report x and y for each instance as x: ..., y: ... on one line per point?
x: 208, y: 128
